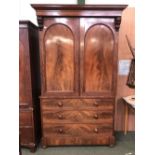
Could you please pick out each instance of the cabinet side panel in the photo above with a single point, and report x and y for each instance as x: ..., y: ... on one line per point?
x: 35, y: 78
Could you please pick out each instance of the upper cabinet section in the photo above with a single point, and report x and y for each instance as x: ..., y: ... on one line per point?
x: 47, y: 10
x: 78, y: 49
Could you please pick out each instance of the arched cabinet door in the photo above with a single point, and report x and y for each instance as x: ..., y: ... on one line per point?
x: 98, y: 57
x: 60, y: 57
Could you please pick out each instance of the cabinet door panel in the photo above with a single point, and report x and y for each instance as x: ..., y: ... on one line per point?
x: 24, y: 70
x: 60, y: 57
x: 98, y: 58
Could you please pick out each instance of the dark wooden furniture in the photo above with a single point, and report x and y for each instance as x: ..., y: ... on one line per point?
x: 29, y: 85
x: 20, y: 151
x: 78, y: 48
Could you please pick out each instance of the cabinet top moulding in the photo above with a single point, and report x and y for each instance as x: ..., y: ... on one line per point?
x: 26, y: 23
x: 77, y: 7
x: 50, y: 10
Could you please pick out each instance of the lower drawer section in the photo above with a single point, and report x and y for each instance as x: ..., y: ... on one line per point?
x: 81, y: 140
x: 25, y: 118
x: 26, y: 135
x: 58, y: 130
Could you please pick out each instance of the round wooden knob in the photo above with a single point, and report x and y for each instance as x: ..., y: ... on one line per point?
x: 60, y: 116
x: 96, y: 130
x: 60, y: 104
x: 60, y: 130
x: 96, y: 116
x: 96, y: 104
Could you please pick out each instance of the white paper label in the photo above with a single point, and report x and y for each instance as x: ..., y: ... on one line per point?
x: 124, y: 67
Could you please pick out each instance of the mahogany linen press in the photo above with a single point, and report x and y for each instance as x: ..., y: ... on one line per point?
x: 78, y: 58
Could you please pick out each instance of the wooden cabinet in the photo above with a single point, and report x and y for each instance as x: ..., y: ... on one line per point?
x: 29, y: 85
x: 78, y: 48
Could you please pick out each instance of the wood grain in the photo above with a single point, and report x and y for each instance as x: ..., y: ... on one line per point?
x: 25, y: 118
x: 24, y: 69
x: 81, y: 116
x: 27, y: 136
x: 95, y: 104
x: 80, y: 140
x: 99, y: 43
x: 78, y: 77
x: 77, y: 130
x: 59, y: 56
x: 29, y: 85
x: 59, y: 48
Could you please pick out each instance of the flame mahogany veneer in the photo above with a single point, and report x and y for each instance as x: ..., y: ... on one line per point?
x: 78, y: 56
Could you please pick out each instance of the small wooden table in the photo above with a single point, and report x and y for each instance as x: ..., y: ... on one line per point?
x: 129, y: 103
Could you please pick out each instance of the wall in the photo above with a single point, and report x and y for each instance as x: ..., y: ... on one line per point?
x: 127, y: 27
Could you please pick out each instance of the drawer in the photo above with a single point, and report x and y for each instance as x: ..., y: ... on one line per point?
x: 77, y: 130
x: 77, y: 116
x: 50, y: 104
x: 26, y: 135
x: 25, y: 118
x: 80, y: 140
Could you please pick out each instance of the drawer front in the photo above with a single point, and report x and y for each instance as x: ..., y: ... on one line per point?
x: 81, y: 140
x: 50, y: 104
x: 77, y: 130
x: 74, y: 116
x: 26, y: 135
x: 25, y: 118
